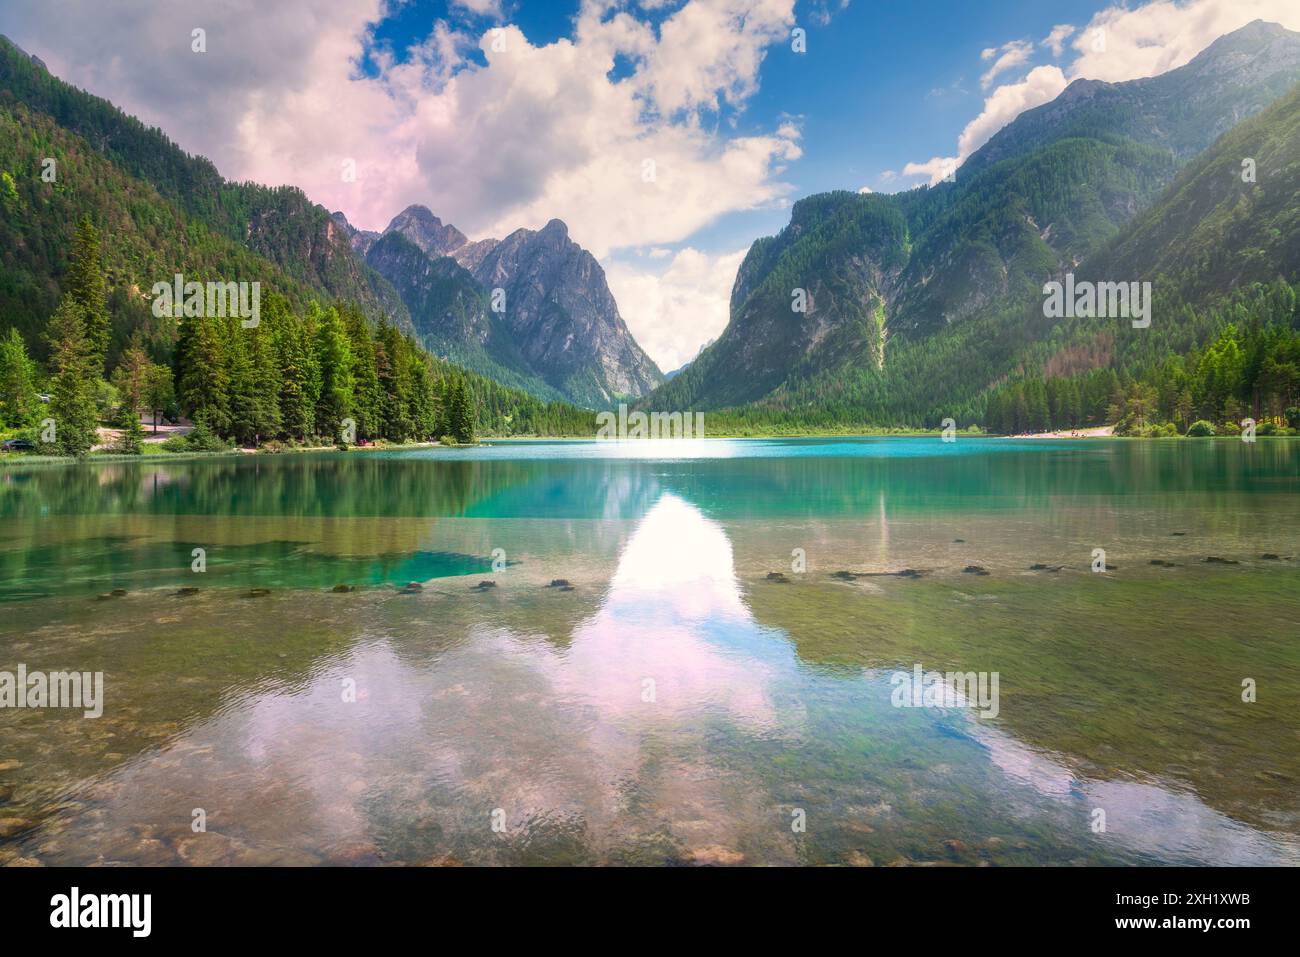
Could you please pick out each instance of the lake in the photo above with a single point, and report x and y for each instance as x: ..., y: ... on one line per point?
x: 689, y: 652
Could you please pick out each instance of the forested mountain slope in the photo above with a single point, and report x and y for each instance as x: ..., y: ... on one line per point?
x: 924, y: 301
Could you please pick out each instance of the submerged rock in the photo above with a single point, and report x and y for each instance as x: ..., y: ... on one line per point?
x: 206, y: 849
x: 1040, y: 567
x: 118, y: 592
x: 777, y: 577
x: 187, y: 590
x: 1160, y: 562
x: 1271, y: 557
x: 844, y: 576
x: 974, y: 570
x: 343, y: 589
x: 258, y: 592
x: 715, y: 855
x: 484, y: 585
x: 1216, y: 560
x: 9, y: 826
x: 559, y: 583
x: 410, y: 588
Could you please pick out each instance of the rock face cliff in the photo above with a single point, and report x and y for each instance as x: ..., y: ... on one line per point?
x: 535, y: 303
x: 563, y: 316
x: 451, y: 314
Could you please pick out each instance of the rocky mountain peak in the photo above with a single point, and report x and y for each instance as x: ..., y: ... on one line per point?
x: 418, y: 224
x: 560, y: 319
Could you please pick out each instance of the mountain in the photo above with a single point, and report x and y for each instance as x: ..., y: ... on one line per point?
x: 919, y: 302
x: 158, y: 211
x: 1182, y: 111
x: 1231, y: 218
x: 361, y: 239
x: 556, y: 329
x: 426, y: 230
x: 279, y: 224
x: 450, y: 313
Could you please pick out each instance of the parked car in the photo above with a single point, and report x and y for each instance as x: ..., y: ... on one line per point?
x: 16, y: 445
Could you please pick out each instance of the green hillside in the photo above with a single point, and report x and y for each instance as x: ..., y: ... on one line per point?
x: 932, y: 317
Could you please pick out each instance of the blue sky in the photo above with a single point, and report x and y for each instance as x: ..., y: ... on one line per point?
x: 880, y: 83
x: 667, y: 134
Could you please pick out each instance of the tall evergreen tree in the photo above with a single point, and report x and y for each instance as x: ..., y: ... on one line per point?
x: 85, y: 284
x: 367, y: 400
x: 334, y: 358
x: 461, y: 416
x: 18, y: 399
x: 72, y: 397
x: 203, y: 381
x: 133, y: 375
x: 159, y: 392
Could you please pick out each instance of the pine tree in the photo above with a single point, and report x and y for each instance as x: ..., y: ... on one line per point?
x: 159, y: 392
x: 132, y: 376
x: 72, y: 398
x: 131, y: 440
x: 424, y: 408
x: 18, y: 399
x: 243, y: 392
x: 367, y: 402
x: 334, y: 357
x: 293, y: 368
x: 203, y: 381
x: 442, y: 424
x: 394, y: 382
x: 267, y: 421
x: 85, y: 284
x: 254, y: 384
x: 462, y: 414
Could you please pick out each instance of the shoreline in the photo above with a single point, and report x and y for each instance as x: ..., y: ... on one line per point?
x: 156, y: 455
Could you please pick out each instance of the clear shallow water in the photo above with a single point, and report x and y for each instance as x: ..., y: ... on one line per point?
x: 674, y: 706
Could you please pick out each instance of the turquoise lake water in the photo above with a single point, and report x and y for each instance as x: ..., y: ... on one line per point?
x: 712, y: 680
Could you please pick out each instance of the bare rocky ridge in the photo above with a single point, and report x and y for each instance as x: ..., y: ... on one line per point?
x: 427, y: 231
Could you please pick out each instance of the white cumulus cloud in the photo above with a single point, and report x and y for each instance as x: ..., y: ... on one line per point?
x: 1118, y: 43
x: 673, y: 313
x: 534, y: 132
x: 1011, y: 55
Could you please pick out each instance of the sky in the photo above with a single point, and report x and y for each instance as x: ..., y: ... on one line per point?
x: 667, y: 134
